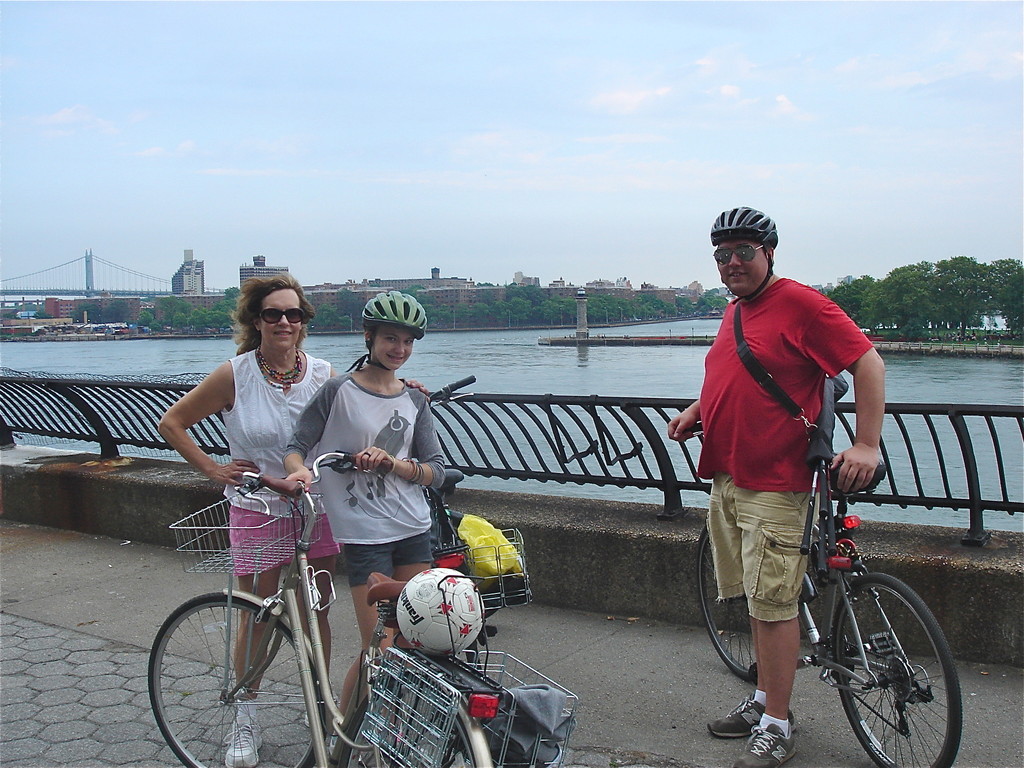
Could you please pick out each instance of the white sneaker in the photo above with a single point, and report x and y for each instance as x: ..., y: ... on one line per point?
x: 244, y: 741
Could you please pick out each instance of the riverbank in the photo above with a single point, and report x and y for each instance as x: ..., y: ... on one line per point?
x: 1007, y: 351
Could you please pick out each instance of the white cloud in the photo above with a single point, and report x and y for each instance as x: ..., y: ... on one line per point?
x: 627, y: 102
x: 624, y: 138
x: 69, y: 120
x: 786, y: 108
x: 730, y: 91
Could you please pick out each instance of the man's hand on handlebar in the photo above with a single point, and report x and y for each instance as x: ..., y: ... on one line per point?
x: 856, y: 467
x: 684, y: 426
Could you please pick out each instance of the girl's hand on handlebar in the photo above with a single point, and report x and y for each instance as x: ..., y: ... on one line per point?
x: 232, y: 472
x: 304, y: 476
x: 374, y: 459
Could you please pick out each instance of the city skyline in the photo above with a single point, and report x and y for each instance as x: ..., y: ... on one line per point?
x: 564, y: 140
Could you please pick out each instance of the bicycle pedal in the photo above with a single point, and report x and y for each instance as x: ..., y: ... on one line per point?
x: 881, y: 643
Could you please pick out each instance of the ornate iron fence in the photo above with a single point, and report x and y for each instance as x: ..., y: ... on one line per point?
x: 944, y: 456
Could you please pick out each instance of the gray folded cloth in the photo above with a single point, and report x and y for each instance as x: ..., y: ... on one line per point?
x: 539, y: 725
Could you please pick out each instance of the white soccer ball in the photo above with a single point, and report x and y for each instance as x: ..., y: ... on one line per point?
x: 440, y: 611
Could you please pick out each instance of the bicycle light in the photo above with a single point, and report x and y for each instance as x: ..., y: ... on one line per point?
x: 851, y: 521
x: 455, y: 560
x: 483, y: 705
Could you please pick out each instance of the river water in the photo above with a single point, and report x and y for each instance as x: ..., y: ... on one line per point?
x: 511, y: 361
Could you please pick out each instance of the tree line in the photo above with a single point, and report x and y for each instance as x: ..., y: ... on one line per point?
x: 916, y: 301
x: 925, y: 300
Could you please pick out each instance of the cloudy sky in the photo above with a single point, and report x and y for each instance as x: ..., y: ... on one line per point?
x: 575, y: 140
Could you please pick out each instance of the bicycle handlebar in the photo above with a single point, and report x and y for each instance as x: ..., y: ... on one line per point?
x: 445, y: 393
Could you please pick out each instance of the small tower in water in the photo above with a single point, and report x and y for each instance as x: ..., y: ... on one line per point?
x: 581, y: 315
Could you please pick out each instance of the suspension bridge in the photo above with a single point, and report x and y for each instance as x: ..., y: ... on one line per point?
x: 87, y: 275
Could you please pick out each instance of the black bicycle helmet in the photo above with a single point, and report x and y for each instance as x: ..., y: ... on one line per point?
x: 745, y: 224
x: 395, y: 308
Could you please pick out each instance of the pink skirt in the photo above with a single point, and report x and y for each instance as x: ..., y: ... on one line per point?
x: 260, y: 542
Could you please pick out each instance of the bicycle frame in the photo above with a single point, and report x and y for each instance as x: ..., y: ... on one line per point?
x: 830, y: 559
x: 309, y: 649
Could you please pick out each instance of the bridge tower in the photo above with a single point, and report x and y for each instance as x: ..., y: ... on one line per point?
x: 89, y: 284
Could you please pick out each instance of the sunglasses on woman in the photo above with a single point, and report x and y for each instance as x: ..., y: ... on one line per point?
x: 271, y: 315
x: 745, y: 252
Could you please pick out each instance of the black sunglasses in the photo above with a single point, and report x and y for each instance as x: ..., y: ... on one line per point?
x: 271, y: 315
x: 745, y: 252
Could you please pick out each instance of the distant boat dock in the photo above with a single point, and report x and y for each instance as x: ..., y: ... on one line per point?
x: 628, y: 341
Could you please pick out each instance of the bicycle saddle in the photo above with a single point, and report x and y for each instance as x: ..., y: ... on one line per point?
x: 382, y: 587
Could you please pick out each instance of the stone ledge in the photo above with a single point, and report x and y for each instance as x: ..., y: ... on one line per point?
x: 594, y: 555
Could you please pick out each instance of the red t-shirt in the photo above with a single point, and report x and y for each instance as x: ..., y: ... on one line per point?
x: 799, y: 336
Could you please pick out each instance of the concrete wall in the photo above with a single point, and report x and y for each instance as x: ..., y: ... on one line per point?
x: 599, y: 556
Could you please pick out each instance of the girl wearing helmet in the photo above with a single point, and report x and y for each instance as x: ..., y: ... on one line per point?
x: 378, y: 513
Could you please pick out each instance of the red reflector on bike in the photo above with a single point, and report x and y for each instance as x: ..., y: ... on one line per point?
x: 851, y: 521
x: 838, y: 563
x: 483, y: 705
x: 450, y: 561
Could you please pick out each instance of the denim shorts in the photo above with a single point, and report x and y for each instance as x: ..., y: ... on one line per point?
x: 363, y: 559
x: 755, y: 539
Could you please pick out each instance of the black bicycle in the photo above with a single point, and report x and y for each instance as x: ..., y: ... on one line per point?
x: 881, y: 648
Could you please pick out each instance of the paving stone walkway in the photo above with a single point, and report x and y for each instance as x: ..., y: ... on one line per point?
x: 70, y: 699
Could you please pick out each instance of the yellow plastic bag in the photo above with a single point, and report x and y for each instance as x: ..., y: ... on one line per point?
x: 490, y: 552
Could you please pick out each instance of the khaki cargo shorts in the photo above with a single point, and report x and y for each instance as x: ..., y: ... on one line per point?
x: 755, y: 540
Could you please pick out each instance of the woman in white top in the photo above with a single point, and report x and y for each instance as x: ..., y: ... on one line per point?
x: 260, y: 393
x: 380, y: 513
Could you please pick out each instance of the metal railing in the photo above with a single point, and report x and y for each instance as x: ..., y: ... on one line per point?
x: 964, y: 457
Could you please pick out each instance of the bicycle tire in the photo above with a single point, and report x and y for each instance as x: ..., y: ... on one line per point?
x: 914, y: 718
x: 727, y: 621
x: 459, y: 755
x: 186, y: 676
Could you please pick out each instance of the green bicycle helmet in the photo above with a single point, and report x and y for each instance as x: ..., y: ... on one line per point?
x: 395, y: 308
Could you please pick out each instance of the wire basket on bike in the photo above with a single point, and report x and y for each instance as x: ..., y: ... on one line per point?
x: 209, y: 543
x: 411, y: 711
x: 502, y: 568
x: 536, y: 716
x: 415, y: 699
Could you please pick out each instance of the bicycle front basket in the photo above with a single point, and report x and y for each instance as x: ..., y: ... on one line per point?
x: 209, y: 543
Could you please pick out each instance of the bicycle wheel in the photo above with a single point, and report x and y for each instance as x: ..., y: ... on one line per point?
x: 459, y: 753
x: 727, y: 621
x: 187, y: 674
x: 911, y: 715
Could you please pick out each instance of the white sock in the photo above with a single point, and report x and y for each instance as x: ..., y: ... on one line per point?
x: 782, y: 725
x: 760, y: 697
x: 246, y: 713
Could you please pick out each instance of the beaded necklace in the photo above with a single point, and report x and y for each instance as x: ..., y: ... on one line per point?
x: 277, y: 378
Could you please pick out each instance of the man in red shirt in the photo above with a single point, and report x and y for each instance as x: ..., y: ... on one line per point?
x: 754, y: 452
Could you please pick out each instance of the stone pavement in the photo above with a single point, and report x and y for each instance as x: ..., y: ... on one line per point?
x: 79, y: 614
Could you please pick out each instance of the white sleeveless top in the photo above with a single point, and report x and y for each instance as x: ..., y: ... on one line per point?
x: 262, y: 419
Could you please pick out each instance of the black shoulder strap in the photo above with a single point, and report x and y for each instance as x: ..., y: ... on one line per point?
x: 761, y: 376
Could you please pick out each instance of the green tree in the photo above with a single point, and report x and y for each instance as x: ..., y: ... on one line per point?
x: 905, y: 300
x: 711, y: 301
x: 146, y: 318
x: 1005, y: 279
x: 852, y: 298
x: 328, y: 319
x: 962, y: 292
